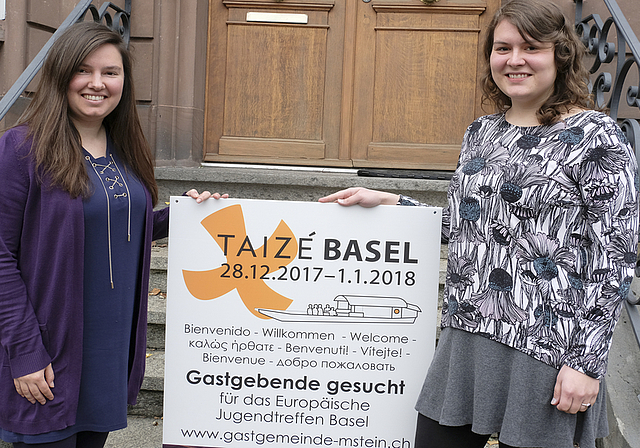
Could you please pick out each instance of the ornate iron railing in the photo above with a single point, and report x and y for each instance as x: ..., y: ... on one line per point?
x: 111, y: 15
x: 595, y: 35
x: 626, y: 53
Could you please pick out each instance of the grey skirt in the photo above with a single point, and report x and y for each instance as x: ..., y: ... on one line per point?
x: 497, y: 389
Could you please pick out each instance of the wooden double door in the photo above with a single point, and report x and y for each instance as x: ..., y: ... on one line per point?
x: 352, y: 83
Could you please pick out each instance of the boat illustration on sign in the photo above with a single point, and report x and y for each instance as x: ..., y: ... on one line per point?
x: 352, y: 309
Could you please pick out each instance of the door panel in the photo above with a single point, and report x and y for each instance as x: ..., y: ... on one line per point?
x: 270, y: 93
x: 421, y: 94
x: 279, y: 101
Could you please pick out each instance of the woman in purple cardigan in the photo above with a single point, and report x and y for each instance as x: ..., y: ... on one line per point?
x: 76, y: 225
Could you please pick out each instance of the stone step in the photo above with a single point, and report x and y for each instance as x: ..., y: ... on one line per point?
x: 156, y: 319
x: 158, y: 273
x: 151, y: 395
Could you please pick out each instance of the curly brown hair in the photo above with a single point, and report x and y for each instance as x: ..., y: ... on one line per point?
x: 543, y: 21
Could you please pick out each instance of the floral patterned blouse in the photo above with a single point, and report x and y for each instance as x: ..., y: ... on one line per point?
x: 542, y: 230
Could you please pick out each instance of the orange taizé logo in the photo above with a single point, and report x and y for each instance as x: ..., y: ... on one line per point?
x: 244, y: 265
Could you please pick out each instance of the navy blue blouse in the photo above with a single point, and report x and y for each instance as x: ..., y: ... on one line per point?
x: 114, y: 217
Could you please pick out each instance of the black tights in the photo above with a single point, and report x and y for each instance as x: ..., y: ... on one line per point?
x: 431, y: 434
x: 85, y: 439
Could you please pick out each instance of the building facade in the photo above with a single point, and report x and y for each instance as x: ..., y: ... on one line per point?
x: 357, y: 83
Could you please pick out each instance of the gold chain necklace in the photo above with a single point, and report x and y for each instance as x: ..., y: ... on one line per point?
x: 114, y: 182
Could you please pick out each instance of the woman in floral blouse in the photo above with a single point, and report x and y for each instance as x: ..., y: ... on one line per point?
x: 541, y: 227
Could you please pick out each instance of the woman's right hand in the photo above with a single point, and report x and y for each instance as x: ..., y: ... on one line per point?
x: 361, y: 196
x: 36, y: 386
x: 201, y: 197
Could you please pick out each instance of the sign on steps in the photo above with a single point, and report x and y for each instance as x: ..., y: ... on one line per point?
x: 297, y: 323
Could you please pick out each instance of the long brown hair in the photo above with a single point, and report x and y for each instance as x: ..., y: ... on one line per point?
x: 542, y: 21
x: 57, y: 147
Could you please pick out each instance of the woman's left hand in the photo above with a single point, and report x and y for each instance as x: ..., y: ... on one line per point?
x: 361, y: 196
x: 200, y: 197
x: 574, y: 391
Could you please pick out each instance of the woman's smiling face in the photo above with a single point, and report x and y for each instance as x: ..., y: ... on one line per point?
x: 96, y: 88
x: 522, y: 68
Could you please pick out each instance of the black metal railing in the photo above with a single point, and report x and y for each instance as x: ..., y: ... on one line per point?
x: 111, y: 15
x: 595, y: 34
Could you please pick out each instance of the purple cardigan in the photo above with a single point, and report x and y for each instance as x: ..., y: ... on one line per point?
x: 41, y: 291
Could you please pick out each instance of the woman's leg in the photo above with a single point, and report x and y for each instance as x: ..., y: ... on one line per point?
x: 86, y: 439
x: 431, y: 434
x: 69, y: 442
x: 89, y: 439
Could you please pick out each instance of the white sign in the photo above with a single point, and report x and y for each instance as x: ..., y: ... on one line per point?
x: 3, y: 10
x: 298, y: 323
x: 277, y: 17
